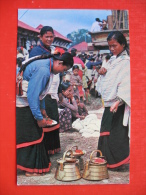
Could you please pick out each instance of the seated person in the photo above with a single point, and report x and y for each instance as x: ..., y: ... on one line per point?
x: 82, y: 110
x: 67, y: 106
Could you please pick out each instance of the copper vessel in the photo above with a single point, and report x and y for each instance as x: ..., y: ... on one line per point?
x: 67, y: 168
x: 95, y: 168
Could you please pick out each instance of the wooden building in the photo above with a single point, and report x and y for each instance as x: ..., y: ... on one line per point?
x: 26, y: 35
x: 117, y: 21
x: 120, y: 19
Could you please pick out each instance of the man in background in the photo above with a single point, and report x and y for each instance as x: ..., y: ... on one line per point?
x: 96, y: 26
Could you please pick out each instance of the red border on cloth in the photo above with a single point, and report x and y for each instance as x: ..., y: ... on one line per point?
x: 30, y: 143
x: 49, y: 129
x: 34, y: 170
x: 120, y: 163
x: 104, y: 133
x: 8, y: 44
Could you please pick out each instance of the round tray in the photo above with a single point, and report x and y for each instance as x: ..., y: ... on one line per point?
x: 53, y: 122
x: 79, y: 152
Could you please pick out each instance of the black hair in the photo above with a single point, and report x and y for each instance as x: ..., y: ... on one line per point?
x: 73, y: 53
x: 46, y: 29
x: 65, y: 85
x: 120, y: 38
x: 75, y: 67
x: 107, y: 57
x: 20, y: 50
x: 97, y: 19
x: 76, y: 97
x: 19, y: 61
x: 66, y: 57
x: 74, y: 49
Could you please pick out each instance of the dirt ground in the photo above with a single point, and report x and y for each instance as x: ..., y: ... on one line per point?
x: 69, y: 139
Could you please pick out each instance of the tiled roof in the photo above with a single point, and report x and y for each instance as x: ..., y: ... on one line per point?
x: 39, y: 27
x: 27, y: 27
x: 58, y: 35
x: 83, y: 46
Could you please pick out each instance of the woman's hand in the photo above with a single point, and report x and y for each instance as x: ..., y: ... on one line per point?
x: 70, y: 96
x: 66, y: 93
x: 95, y: 80
x: 60, y: 97
x: 114, y: 107
x: 102, y: 70
x: 42, y: 123
x: 43, y: 111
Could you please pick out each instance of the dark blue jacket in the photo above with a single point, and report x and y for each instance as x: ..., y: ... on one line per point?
x: 39, y: 50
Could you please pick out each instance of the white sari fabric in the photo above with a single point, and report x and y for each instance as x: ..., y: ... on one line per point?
x: 116, y: 82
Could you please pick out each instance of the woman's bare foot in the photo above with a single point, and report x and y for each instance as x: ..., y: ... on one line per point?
x: 34, y: 174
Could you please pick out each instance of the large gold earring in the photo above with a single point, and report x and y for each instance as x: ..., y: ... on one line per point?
x: 60, y: 62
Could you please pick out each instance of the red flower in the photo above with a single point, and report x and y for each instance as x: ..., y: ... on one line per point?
x: 59, y: 51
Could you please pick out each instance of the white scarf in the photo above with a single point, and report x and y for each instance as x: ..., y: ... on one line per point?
x: 116, y: 82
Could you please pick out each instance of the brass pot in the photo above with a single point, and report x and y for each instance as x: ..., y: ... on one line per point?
x: 78, y: 155
x: 67, y: 168
x: 95, y: 168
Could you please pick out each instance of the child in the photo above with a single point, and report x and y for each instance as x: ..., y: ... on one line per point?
x: 76, y: 82
x: 82, y: 110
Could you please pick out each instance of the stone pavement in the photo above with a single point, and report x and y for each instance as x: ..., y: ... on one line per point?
x: 69, y: 139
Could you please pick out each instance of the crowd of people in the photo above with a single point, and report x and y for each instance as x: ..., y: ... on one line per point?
x: 53, y: 88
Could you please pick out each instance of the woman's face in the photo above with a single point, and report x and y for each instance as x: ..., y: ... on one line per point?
x: 58, y: 67
x: 115, y: 47
x: 47, y: 39
x: 67, y: 92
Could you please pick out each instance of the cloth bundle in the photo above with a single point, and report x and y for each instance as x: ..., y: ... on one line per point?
x: 89, y: 127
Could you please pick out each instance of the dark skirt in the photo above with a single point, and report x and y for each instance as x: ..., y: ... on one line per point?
x: 31, y: 153
x: 114, y: 140
x: 65, y: 119
x: 51, y: 134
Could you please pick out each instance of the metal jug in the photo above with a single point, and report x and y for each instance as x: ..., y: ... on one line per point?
x: 95, y: 168
x: 67, y: 168
x: 78, y: 155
